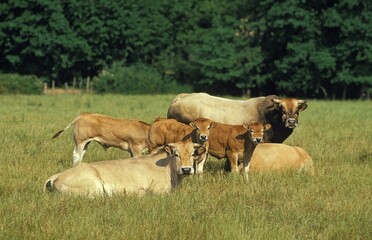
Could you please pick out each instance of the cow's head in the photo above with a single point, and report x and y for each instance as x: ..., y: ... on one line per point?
x: 256, y: 131
x: 184, y: 153
x: 202, y: 127
x: 290, y: 109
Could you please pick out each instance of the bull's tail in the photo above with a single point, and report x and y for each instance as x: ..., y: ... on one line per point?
x: 49, y: 184
x: 179, y: 96
x: 61, y: 131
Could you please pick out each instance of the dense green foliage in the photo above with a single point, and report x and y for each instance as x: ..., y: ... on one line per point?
x: 290, y: 47
x: 17, y: 84
x: 333, y: 204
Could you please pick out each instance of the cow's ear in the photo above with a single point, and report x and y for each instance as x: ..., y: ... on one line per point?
x: 302, y: 105
x: 246, y: 125
x: 168, y: 149
x: 213, y: 125
x: 267, y: 126
x: 199, y: 150
x: 277, y: 104
x: 192, y: 125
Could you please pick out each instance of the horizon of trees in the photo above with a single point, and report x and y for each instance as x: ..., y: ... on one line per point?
x: 290, y: 47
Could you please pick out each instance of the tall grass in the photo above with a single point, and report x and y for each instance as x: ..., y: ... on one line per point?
x: 333, y: 204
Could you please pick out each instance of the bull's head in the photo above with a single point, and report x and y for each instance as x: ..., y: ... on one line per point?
x: 256, y: 131
x: 184, y: 153
x: 290, y: 108
x: 202, y: 127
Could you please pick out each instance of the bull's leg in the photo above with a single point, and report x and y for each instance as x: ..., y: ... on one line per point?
x: 233, y: 158
x: 79, y: 151
x: 199, y: 165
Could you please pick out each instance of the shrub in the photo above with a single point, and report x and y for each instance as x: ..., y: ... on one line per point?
x: 18, y: 84
x: 135, y: 79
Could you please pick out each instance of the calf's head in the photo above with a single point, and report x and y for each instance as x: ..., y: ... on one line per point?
x: 256, y: 131
x: 184, y: 153
x: 290, y: 109
x: 202, y: 127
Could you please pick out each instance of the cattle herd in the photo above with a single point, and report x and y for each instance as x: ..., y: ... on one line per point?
x: 249, y: 133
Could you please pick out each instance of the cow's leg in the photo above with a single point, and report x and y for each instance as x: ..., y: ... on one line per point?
x: 135, y: 151
x: 233, y: 158
x: 79, y: 151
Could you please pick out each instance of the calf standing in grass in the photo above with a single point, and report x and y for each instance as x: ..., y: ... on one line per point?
x: 164, y: 131
x: 128, y: 135
x: 236, y: 142
x: 155, y: 173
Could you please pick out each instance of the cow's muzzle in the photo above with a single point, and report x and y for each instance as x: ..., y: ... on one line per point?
x: 187, y: 170
x: 291, y: 123
x: 203, y: 138
x: 257, y: 140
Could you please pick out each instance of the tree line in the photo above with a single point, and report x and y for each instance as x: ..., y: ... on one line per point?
x: 305, y: 48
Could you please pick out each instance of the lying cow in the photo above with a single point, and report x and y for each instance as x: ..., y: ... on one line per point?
x: 164, y: 131
x: 268, y: 157
x: 128, y: 135
x: 281, y: 113
x: 236, y: 142
x: 156, y: 173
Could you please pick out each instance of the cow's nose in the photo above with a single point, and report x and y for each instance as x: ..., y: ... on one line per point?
x: 203, y: 137
x: 258, y: 140
x: 186, y: 170
x: 291, y: 123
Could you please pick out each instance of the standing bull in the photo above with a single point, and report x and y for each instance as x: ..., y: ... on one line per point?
x: 281, y: 113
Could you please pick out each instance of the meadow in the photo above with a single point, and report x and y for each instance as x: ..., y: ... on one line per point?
x: 335, y: 203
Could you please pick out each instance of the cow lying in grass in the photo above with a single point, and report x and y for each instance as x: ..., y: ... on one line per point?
x: 128, y: 135
x: 164, y: 131
x: 155, y: 173
x: 236, y: 142
x: 272, y: 157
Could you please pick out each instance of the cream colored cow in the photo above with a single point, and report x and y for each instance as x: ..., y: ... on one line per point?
x: 157, y: 173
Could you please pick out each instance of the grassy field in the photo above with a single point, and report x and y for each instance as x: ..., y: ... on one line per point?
x: 333, y: 204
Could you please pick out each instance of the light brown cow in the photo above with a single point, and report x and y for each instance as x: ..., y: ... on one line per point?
x: 281, y: 113
x: 269, y: 157
x: 157, y: 173
x: 164, y: 131
x: 236, y: 142
x: 128, y: 135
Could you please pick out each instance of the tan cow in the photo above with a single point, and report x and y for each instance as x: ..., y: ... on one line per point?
x: 164, y: 131
x: 236, y: 142
x: 281, y: 113
x: 269, y: 157
x: 128, y: 135
x: 156, y: 173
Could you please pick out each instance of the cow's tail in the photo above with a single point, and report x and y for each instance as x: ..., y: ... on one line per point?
x: 61, y: 131
x: 49, y: 184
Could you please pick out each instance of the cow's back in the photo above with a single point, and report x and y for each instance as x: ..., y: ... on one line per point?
x: 189, y: 107
x: 269, y: 157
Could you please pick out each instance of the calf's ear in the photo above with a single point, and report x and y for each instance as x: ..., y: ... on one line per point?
x: 192, y: 125
x: 267, y: 126
x: 199, y: 150
x: 302, y: 105
x: 168, y: 149
x: 213, y: 125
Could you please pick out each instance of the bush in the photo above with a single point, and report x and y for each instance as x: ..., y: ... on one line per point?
x: 135, y: 79
x: 18, y: 84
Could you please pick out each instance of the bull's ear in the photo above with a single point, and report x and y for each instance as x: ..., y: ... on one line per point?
x: 199, y: 150
x: 192, y: 125
x: 277, y: 103
x: 267, y: 126
x: 302, y: 105
x: 168, y: 149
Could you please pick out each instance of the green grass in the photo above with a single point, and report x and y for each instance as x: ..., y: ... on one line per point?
x: 333, y: 204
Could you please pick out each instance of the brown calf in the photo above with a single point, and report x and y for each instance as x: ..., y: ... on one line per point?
x: 128, y: 135
x: 236, y: 142
x: 164, y: 131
